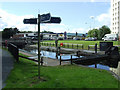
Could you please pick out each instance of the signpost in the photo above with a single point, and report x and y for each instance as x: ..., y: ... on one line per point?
x: 30, y: 21
x: 54, y: 20
x: 45, y: 18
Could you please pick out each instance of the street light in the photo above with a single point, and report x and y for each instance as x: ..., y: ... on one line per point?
x: 92, y: 17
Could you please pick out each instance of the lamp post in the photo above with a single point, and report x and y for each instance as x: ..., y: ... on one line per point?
x: 92, y: 17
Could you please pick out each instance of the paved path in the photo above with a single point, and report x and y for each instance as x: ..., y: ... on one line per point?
x: 7, y: 65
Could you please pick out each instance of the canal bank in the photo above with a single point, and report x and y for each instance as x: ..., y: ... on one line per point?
x: 55, y: 62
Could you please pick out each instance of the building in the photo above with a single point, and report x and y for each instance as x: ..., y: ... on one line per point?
x: 115, y: 17
x: 24, y: 35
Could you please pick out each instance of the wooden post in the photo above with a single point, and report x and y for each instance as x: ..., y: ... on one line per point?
x: 96, y: 48
x: 77, y: 46
x: 41, y: 61
x: 88, y: 47
x: 60, y: 60
x: 82, y: 46
x: 72, y: 46
x: 95, y: 65
x: 71, y: 59
x: 68, y: 45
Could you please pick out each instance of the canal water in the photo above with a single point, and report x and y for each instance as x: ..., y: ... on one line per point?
x: 52, y: 55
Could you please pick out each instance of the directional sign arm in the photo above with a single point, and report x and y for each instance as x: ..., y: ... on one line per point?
x: 30, y: 21
x: 53, y: 20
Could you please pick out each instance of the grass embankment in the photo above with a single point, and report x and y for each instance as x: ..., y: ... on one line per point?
x: 85, y: 43
x: 24, y: 75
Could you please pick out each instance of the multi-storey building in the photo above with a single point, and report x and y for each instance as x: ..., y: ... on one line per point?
x: 115, y: 17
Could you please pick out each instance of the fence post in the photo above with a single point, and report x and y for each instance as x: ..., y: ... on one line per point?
x: 71, y: 59
x: 72, y: 46
x: 60, y: 60
x: 82, y: 46
x: 68, y: 45
x: 88, y: 47
x: 96, y: 48
x: 41, y: 61
x: 95, y: 65
x: 77, y: 46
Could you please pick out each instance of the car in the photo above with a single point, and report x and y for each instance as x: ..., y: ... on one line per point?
x: 91, y: 39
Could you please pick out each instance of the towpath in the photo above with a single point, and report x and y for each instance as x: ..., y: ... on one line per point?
x: 7, y: 65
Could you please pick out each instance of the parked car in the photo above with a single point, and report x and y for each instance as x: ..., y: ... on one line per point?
x: 76, y: 38
x: 91, y: 39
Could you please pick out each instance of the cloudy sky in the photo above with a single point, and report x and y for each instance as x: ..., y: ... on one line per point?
x: 76, y: 16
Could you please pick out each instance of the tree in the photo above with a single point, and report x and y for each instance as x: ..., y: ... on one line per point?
x: 99, y: 33
x: 102, y: 31
x: 8, y: 32
x: 93, y: 33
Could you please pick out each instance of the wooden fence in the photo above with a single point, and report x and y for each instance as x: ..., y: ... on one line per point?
x: 65, y: 45
x: 14, y: 51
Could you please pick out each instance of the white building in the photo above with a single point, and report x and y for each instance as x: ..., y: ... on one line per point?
x: 115, y: 17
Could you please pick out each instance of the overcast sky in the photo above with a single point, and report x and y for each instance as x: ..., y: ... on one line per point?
x: 76, y: 16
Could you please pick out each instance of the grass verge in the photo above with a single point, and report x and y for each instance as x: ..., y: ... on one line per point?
x: 24, y: 75
x: 85, y: 43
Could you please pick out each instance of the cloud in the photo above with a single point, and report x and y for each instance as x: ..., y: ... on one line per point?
x: 9, y: 20
x: 92, y: 0
x: 104, y: 18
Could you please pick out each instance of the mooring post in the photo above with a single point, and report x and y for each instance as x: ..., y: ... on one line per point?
x: 71, y: 59
x: 60, y: 60
x: 96, y: 48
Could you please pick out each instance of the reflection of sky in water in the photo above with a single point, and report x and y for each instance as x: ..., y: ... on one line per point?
x: 53, y: 55
x: 100, y: 66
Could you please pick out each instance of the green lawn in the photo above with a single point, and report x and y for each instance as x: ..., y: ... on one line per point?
x: 85, y: 43
x: 24, y: 75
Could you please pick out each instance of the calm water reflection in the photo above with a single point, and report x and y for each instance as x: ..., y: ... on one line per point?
x: 53, y: 55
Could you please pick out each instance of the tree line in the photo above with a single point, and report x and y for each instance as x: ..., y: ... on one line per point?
x: 99, y: 33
